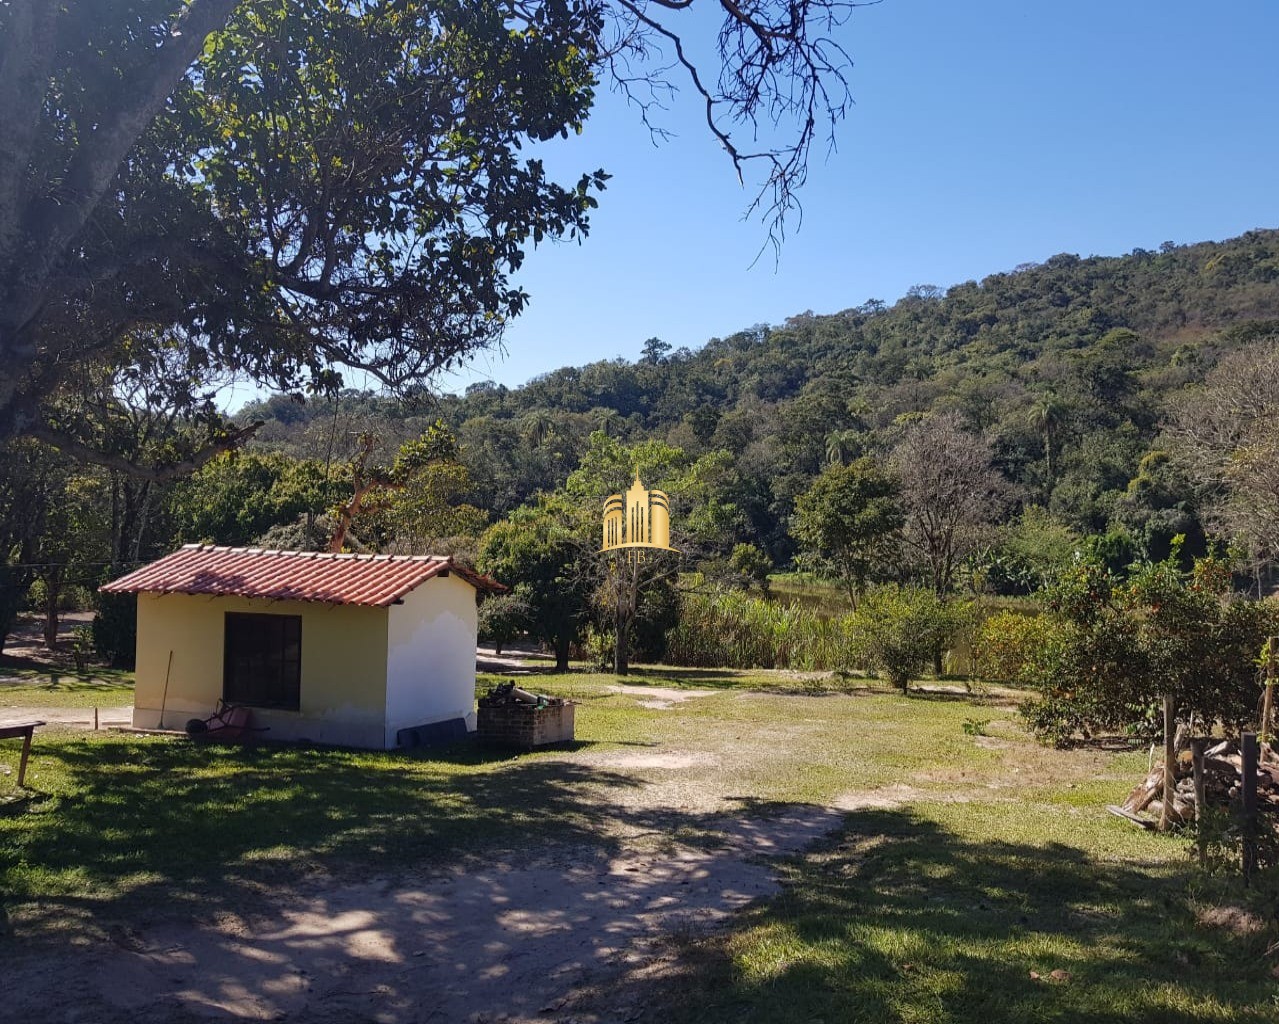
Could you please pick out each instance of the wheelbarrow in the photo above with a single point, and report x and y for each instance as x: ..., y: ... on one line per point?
x: 229, y: 722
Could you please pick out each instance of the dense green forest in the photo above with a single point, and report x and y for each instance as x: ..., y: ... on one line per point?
x: 1069, y: 388
x: 1066, y: 366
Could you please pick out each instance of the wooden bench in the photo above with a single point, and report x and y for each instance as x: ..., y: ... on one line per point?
x: 11, y: 730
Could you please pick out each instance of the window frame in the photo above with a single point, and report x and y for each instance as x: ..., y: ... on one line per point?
x: 278, y: 682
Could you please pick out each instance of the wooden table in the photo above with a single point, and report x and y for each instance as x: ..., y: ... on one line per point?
x: 10, y: 730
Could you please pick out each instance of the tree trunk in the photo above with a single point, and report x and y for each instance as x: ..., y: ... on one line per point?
x: 624, y: 611
x: 52, y: 592
x: 621, y: 665
x: 561, y: 652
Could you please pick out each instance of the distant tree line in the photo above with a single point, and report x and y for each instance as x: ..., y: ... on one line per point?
x: 968, y: 441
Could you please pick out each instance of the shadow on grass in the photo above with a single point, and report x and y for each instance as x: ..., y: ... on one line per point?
x: 666, y: 676
x: 142, y: 821
x: 905, y: 920
x: 21, y: 663
x: 66, y: 681
x: 974, y: 697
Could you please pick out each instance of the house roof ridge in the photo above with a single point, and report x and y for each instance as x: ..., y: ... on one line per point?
x: 367, y: 556
x: 324, y: 576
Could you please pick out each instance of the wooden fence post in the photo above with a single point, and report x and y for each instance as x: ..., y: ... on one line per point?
x: 1267, y: 703
x: 1197, y: 746
x: 1170, y: 764
x: 1248, y: 791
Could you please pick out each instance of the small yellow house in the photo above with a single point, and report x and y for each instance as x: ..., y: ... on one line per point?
x: 344, y: 649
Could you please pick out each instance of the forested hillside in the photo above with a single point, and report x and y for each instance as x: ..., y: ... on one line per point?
x: 1065, y: 366
x: 971, y: 438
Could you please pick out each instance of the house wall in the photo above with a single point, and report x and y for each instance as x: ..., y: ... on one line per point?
x: 430, y: 672
x: 344, y: 661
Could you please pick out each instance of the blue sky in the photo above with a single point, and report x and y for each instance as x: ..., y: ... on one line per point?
x: 984, y: 135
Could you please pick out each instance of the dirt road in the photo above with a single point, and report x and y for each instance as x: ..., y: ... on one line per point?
x: 512, y: 943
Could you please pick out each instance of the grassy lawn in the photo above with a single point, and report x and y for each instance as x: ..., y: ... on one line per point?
x: 950, y: 913
x: 991, y: 857
x: 51, y: 688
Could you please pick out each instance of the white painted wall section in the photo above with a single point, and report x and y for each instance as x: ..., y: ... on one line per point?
x: 430, y: 663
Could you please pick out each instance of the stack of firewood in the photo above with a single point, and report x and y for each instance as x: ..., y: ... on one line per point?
x: 1222, y: 785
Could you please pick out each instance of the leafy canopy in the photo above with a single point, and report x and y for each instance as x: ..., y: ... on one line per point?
x: 288, y: 190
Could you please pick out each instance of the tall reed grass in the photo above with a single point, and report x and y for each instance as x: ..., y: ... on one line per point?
x: 731, y: 629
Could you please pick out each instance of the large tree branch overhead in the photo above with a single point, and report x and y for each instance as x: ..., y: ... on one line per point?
x: 290, y: 189
x: 42, y: 225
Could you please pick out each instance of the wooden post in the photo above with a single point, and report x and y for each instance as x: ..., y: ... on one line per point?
x: 1197, y: 746
x: 1170, y: 764
x: 26, y: 752
x: 1248, y: 749
x: 165, y: 699
x: 1267, y: 704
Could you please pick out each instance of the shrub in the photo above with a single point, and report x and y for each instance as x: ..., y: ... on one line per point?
x: 1012, y: 648
x: 901, y: 628
x: 115, y: 629
x: 1124, y: 646
x: 751, y: 565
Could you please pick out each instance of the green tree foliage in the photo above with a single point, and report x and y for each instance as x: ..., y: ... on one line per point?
x: 846, y: 522
x: 505, y: 617
x: 73, y: 542
x: 29, y: 474
x: 115, y: 627
x: 239, y: 496
x: 900, y: 629
x: 1029, y: 552
x: 759, y: 414
x: 751, y: 566
x: 539, y: 550
x: 1122, y: 646
x: 625, y: 577
x: 288, y: 189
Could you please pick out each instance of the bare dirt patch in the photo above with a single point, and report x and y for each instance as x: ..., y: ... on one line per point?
x: 1235, y: 920
x: 641, y: 760
x: 70, y: 718
x: 508, y: 942
x: 659, y: 698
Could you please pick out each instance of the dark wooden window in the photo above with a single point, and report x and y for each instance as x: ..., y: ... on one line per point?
x: 262, y: 664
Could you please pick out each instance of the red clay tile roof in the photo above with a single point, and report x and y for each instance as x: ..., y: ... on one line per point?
x: 373, y: 580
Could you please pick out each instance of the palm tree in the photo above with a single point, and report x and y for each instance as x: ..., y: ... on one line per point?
x: 1048, y: 416
x: 842, y: 446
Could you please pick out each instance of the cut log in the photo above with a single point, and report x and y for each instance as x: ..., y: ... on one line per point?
x: 1119, y: 812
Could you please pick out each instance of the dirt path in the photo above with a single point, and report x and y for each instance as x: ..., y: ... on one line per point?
x: 510, y: 943
x: 71, y: 718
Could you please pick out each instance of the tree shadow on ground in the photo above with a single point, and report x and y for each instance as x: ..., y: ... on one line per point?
x: 904, y: 920
x: 494, y: 941
x: 974, y: 697
x: 55, y: 680
x: 143, y: 821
